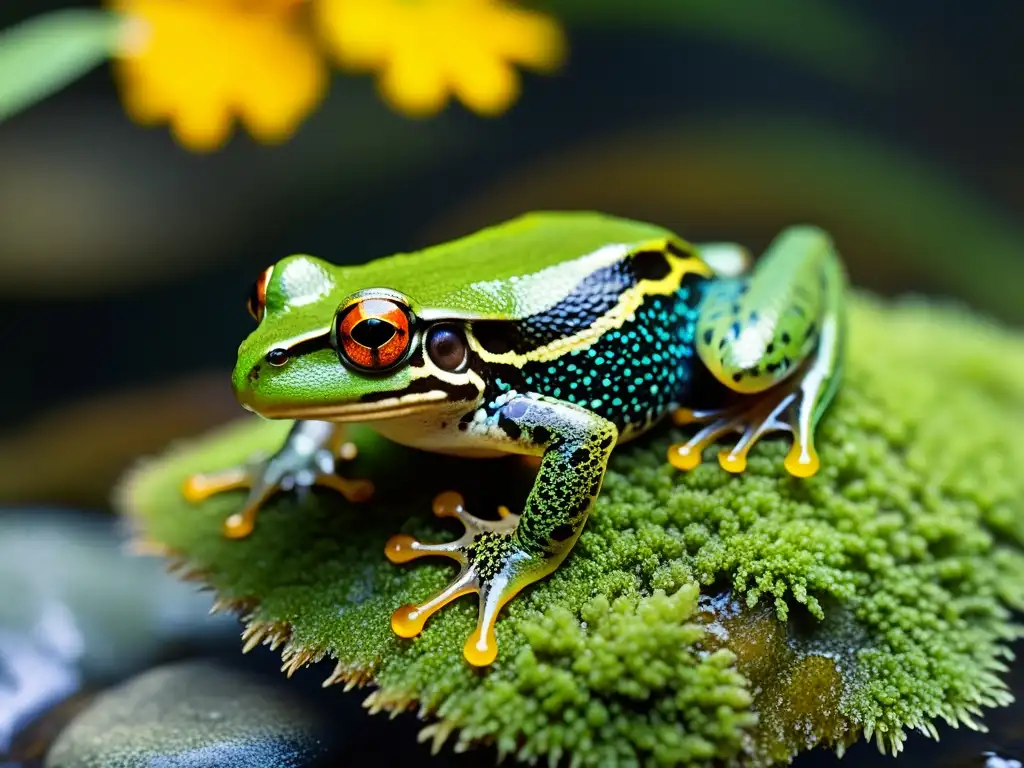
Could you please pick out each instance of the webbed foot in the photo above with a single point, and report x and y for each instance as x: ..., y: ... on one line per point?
x: 774, y: 337
x: 493, y: 564
x: 784, y: 408
x: 500, y: 557
x: 308, y: 458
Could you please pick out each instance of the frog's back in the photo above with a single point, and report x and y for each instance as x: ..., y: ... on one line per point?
x: 509, y: 271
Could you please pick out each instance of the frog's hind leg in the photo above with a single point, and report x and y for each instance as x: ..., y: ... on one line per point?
x: 775, y: 339
x: 498, y: 558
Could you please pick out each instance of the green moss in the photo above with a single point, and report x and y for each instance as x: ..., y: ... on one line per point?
x: 869, y: 599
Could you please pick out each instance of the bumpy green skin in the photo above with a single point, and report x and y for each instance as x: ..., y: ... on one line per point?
x: 909, y: 542
x: 753, y: 332
x: 575, y: 446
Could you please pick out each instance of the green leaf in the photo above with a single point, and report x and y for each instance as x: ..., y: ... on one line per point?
x: 823, y: 36
x: 910, y: 541
x: 42, y: 55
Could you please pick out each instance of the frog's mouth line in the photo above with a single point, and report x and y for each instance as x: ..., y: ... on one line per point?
x: 391, y: 408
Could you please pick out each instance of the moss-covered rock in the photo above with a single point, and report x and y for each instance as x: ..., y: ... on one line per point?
x: 701, y: 616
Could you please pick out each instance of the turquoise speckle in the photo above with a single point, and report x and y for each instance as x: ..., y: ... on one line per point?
x: 637, y: 371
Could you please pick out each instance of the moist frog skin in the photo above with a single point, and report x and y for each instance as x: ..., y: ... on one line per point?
x: 557, y: 335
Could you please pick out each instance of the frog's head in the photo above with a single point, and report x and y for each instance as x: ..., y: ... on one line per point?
x: 328, y: 348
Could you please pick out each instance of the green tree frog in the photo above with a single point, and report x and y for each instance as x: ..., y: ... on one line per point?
x: 556, y: 335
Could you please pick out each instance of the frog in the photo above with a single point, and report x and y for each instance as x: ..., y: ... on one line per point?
x: 556, y: 336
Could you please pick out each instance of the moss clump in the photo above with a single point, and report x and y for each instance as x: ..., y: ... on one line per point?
x: 624, y: 677
x: 869, y: 599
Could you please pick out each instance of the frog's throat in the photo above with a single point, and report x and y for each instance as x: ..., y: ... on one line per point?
x: 390, y: 408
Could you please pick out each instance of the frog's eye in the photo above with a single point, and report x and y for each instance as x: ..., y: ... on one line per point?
x: 373, y: 334
x: 257, y: 304
x: 447, y: 348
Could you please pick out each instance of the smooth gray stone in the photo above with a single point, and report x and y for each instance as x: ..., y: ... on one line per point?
x: 195, y: 714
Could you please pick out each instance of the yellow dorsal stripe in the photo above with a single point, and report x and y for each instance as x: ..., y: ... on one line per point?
x: 624, y: 311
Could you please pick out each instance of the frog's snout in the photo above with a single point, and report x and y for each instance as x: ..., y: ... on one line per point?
x: 246, y: 377
x: 242, y: 382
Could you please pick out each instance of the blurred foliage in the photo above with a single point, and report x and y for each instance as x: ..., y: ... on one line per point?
x: 42, y: 55
x: 910, y: 542
x: 899, y: 220
x: 825, y: 37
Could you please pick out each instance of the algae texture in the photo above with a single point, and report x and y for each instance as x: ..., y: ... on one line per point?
x: 703, y: 618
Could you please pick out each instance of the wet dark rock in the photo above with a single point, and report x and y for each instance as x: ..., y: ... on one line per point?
x: 30, y: 745
x: 196, y: 714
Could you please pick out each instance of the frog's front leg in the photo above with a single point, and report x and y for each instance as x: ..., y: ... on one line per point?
x: 307, y: 458
x: 500, y: 557
x: 774, y: 338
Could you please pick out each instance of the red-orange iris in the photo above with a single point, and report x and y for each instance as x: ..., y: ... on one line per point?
x: 374, y: 333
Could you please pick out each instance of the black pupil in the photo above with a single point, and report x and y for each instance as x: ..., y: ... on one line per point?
x: 447, y: 348
x: 373, y: 332
x: 277, y: 357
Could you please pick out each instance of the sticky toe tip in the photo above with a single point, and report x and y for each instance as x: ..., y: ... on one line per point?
x: 802, y: 465
x: 238, y: 526
x: 683, y: 457
x: 449, y: 504
x: 731, y: 462
x: 480, y: 652
x: 362, y: 490
x: 407, y: 621
x: 400, y: 548
x: 194, y: 489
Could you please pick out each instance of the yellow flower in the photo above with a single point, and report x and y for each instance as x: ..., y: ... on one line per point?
x: 426, y: 51
x: 202, y: 64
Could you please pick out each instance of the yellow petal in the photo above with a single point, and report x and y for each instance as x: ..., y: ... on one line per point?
x: 144, y: 105
x: 283, y: 82
x: 531, y: 39
x: 202, y: 63
x: 485, y: 84
x: 201, y: 127
x: 357, y: 32
x: 412, y: 83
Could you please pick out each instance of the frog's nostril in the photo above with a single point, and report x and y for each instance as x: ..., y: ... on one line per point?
x: 277, y: 357
x: 254, y: 374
